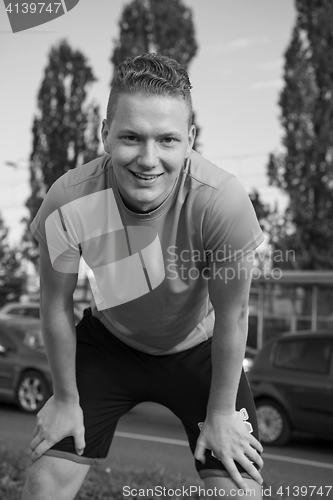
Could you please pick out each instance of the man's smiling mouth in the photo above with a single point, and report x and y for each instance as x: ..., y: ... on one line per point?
x: 145, y: 177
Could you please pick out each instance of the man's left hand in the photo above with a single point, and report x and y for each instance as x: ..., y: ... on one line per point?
x: 229, y: 439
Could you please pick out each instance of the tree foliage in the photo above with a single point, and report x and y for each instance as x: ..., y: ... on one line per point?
x: 65, y: 129
x: 158, y: 26
x: 262, y: 210
x: 11, y: 276
x: 305, y: 170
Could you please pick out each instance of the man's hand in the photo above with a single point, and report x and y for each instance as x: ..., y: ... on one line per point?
x: 55, y: 421
x: 229, y: 439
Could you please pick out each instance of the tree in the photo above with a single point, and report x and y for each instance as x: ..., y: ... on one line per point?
x: 305, y: 170
x: 262, y: 210
x: 158, y: 26
x: 65, y: 129
x: 11, y: 277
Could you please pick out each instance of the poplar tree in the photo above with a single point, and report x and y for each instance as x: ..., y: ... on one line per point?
x: 304, y: 171
x: 65, y: 129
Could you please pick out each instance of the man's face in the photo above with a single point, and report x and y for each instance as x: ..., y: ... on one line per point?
x: 148, y: 140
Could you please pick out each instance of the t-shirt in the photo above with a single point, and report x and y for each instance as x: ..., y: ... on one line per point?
x: 149, y: 272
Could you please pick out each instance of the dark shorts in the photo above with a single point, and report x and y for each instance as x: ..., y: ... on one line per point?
x: 112, y: 378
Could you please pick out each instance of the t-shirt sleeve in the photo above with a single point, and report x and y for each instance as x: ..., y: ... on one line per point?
x: 52, y: 228
x: 232, y: 227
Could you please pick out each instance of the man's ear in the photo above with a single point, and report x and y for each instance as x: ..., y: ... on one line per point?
x: 105, y: 135
x: 191, y: 138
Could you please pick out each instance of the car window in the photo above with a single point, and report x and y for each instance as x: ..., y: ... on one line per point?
x: 16, y: 311
x: 313, y: 355
x: 32, y: 312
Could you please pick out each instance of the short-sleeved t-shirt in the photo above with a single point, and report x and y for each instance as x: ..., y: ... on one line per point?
x: 149, y: 272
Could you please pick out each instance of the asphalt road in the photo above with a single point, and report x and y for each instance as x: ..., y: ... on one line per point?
x: 151, y: 436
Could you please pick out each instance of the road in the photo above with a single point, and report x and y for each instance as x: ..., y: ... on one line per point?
x: 150, y: 436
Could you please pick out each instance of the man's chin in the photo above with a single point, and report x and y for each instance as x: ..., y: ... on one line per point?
x: 143, y: 203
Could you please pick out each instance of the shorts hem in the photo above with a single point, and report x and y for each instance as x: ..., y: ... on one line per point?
x: 219, y: 473
x: 74, y: 458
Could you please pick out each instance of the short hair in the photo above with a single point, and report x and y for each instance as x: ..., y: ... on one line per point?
x: 153, y: 74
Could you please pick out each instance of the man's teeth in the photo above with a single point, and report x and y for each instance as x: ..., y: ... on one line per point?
x: 145, y: 178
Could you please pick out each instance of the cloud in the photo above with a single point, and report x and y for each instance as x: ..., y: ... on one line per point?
x: 267, y: 84
x: 273, y: 64
x: 237, y: 44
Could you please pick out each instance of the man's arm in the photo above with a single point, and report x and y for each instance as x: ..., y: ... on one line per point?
x: 61, y: 416
x: 224, y: 431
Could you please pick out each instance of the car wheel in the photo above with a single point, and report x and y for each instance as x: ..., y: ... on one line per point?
x: 274, y: 426
x: 32, y: 391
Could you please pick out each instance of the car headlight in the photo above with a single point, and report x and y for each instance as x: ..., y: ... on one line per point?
x: 247, y: 364
x: 34, y: 340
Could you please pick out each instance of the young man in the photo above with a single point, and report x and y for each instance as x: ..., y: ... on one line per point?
x: 169, y: 238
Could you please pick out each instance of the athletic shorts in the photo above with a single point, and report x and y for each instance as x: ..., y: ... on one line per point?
x: 112, y: 378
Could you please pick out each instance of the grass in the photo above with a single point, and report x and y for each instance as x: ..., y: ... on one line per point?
x: 106, y: 484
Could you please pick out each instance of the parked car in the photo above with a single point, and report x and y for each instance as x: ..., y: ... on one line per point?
x: 292, y: 384
x: 30, y: 310
x: 25, y: 377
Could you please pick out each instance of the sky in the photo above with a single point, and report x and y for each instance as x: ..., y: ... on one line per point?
x: 236, y: 77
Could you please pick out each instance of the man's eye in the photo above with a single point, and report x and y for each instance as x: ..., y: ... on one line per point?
x: 131, y: 138
x: 169, y: 140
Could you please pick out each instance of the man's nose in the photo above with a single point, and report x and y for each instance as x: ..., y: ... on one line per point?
x: 148, y: 157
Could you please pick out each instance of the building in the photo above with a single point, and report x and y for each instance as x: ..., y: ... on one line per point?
x: 283, y: 300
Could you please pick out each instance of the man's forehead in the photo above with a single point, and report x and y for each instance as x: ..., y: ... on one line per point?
x: 139, y: 108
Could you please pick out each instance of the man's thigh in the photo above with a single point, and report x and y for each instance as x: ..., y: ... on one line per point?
x: 110, y: 382
x: 184, y: 385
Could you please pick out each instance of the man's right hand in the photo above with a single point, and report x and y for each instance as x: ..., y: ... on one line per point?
x: 55, y: 421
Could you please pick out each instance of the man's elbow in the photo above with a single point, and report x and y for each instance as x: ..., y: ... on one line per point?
x: 243, y: 315
x: 244, y: 311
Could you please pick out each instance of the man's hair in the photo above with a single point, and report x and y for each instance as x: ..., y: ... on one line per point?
x: 152, y: 74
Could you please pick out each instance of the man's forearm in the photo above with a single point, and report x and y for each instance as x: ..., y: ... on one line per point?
x: 228, y: 347
x: 60, y: 343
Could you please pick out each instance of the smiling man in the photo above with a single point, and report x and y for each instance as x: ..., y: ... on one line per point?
x: 146, y: 174
x: 169, y: 238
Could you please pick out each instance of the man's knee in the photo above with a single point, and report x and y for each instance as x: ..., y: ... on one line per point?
x: 55, y: 478
x: 225, y: 487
